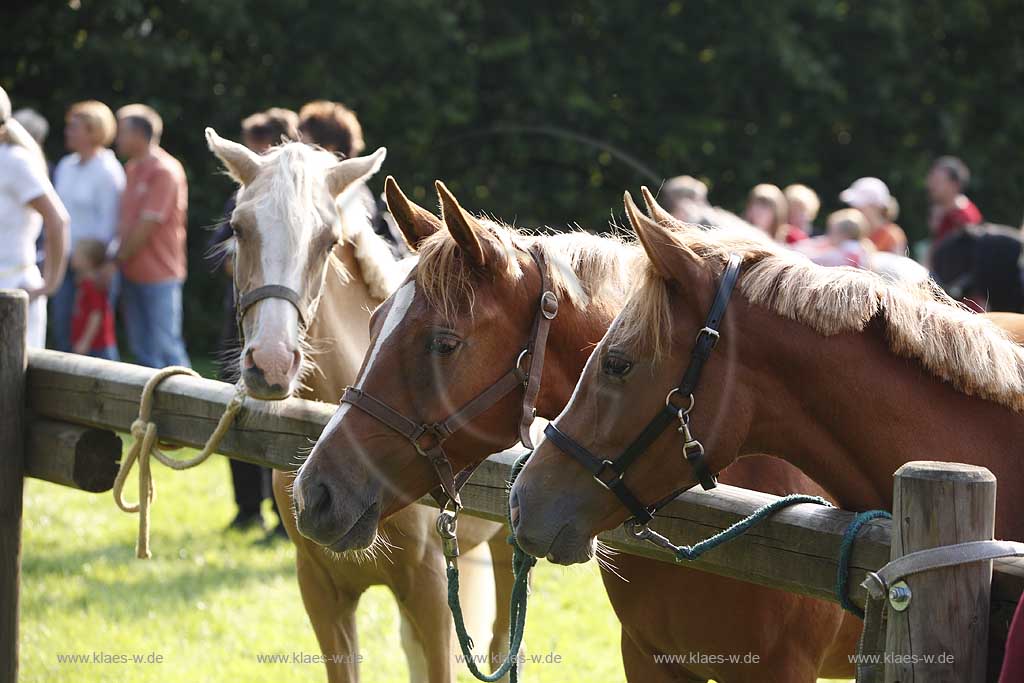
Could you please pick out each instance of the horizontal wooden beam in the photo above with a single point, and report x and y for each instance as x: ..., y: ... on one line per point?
x: 84, y: 458
x: 100, y: 393
x: 794, y: 550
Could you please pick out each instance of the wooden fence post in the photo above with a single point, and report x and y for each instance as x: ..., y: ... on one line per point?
x: 13, y: 361
x: 942, y: 635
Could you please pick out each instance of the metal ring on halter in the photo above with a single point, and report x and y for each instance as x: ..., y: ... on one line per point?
x: 519, y: 359
x: 668, y: 402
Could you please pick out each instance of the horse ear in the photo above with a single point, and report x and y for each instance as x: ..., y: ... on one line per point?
x: 350, y: 171
x: 654, y: 209
x: 241, y: 162
x: 415, y: 222
x: 465, y: 229
x: 671, y: 259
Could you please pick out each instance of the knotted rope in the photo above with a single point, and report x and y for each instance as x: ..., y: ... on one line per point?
x: 522, y: 562
x: 144, y: 432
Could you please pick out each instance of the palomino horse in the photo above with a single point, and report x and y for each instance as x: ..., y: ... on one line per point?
x: 839, y: 372
x: 326, y: 270
x: 455, y: 328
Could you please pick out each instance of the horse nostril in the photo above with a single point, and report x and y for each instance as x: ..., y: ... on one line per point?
x: 296, y: 362
x: 247, y: 360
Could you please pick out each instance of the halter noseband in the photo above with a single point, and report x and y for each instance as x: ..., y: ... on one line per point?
x: 254, y: 296
x: 610, y: 473
x: 428, y: 438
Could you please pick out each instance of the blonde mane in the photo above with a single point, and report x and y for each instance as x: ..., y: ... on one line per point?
x: 292, y: 180
x: 584, y: 269
x: 920, y: 321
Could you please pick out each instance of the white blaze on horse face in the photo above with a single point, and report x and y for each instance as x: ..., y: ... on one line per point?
x: 285, y: 234
x: 396, y: 314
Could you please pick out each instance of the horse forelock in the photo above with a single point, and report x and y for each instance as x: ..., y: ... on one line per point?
x: 583, y: 269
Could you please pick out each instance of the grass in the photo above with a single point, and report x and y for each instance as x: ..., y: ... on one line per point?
x: 209, y: 601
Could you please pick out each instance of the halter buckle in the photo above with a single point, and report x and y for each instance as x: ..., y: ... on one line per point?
x: 607, y: 464
x: 709, y: 332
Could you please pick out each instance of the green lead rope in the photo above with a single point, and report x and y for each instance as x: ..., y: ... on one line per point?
x: 522, y: 563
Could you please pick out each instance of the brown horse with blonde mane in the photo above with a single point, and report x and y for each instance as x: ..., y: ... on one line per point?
x: 843, y: 374
x: 311, y: 255
x: 461, y: 320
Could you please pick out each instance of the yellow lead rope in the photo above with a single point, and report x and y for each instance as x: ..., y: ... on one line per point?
x: 145, y: 445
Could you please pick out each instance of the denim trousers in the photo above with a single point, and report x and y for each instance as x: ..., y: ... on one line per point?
x: 152, y: 313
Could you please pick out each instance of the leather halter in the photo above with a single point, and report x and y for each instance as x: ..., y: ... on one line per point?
x: 610, y: 473
x: 428, y: 438
x: 254, y: 296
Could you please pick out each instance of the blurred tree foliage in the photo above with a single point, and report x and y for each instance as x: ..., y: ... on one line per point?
x: 543, y: 113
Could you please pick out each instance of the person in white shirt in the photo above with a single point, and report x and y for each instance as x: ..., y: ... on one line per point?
x: 28, y: 205
x: 89, y: 181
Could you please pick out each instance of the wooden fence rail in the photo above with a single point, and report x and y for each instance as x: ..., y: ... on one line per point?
x: 794, y: 550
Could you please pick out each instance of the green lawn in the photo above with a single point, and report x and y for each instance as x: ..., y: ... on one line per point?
x: 209, y: 601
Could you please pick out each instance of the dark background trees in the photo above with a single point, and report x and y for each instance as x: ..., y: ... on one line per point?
x: 542, y: 112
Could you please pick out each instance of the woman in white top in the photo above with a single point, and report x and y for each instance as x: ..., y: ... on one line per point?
x: 89, y: 181
x: 28, y: 204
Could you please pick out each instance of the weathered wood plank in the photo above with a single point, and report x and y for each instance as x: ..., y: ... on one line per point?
x: 84, y: 458
x: 13, y: 321
x: 104, y: 394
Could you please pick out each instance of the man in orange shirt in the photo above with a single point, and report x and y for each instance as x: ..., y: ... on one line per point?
x: 151, y: 232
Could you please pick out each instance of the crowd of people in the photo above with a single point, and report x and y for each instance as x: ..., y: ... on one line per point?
x: 863, y: 235
x: 93, y: 236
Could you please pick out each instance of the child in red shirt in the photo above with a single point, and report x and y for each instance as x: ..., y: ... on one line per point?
x: 92, y: 321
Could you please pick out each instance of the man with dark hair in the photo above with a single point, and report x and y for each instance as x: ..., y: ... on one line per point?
x: 150, y: 249
x: 334, y: 127
x: 263, y: 130
x: 951, y: 209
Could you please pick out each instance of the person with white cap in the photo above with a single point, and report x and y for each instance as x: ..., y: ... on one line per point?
x: 29, y: 205
x: 871, y: 196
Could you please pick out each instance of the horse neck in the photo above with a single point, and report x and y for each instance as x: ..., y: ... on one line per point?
x: 849, y: 412
x: 340, y: 330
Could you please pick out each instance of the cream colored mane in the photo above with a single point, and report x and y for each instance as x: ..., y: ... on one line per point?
x: 584, y: 269
x: 921, y: 322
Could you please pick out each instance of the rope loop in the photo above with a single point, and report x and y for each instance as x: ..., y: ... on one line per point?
x: 144, y: 447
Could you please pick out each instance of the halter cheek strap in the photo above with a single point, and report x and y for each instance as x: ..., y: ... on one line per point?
x: 610, y: 473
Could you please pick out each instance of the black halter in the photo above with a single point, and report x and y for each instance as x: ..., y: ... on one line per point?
x: 610, y: 473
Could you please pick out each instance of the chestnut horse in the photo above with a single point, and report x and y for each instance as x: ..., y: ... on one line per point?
x: 294, y: 228
x: 843, y: 374
x: 452, y: 330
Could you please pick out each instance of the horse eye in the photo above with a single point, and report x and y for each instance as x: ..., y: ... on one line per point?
x: 443, y: 344
x: 616, y: 366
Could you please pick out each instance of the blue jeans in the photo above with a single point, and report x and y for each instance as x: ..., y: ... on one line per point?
x: 152, y: 318
x: 62, y: 307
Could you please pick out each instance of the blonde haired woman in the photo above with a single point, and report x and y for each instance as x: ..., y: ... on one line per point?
x: 89, y: 181
x: 28, y: 205
x: 768, y: 210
